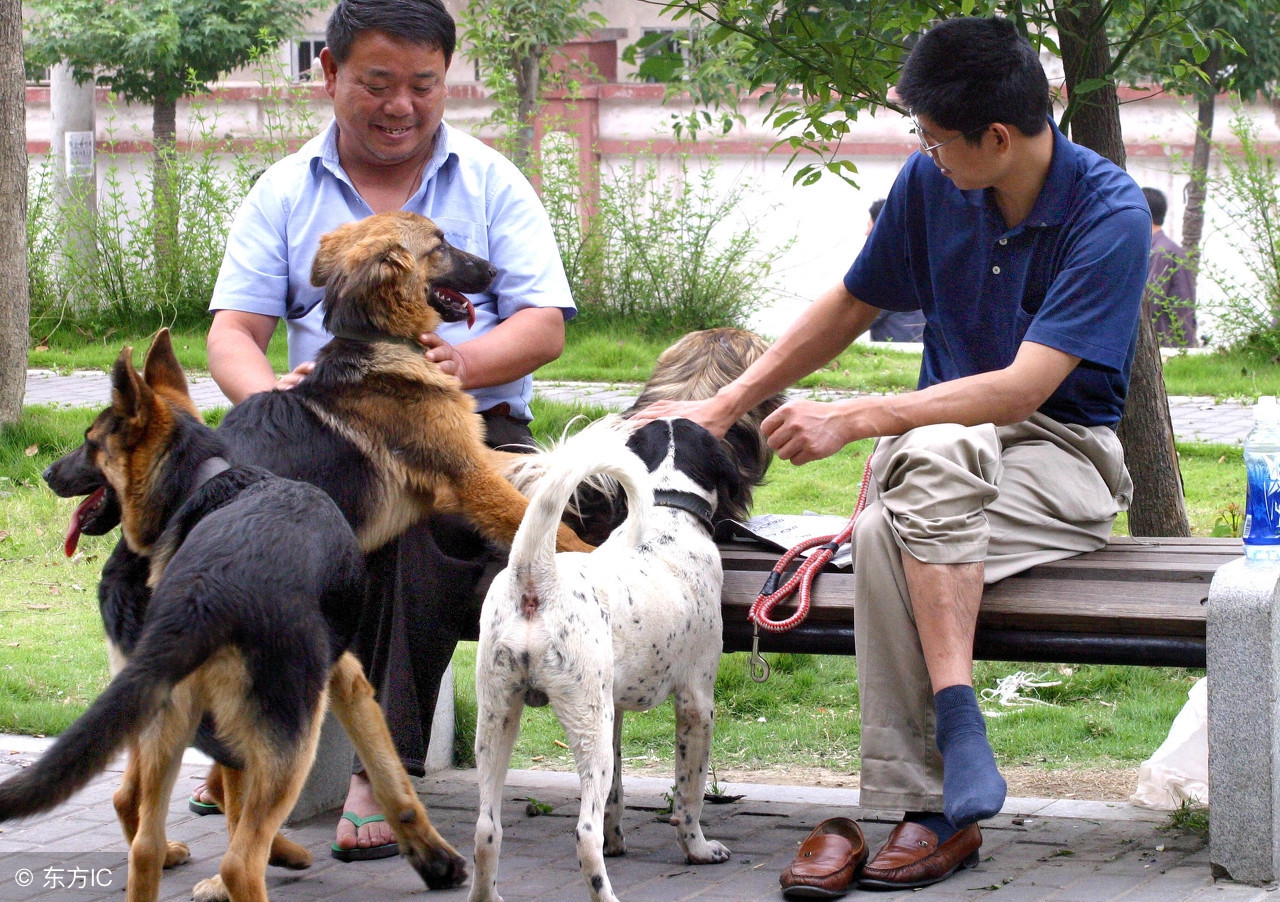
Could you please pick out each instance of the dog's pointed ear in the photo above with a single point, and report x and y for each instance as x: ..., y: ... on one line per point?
x: 129, y: 394
x: 162, y: 369
x: 344, y: 267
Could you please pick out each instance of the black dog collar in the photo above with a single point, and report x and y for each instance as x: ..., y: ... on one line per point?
x: 374, y: 336
x: 688, y: 502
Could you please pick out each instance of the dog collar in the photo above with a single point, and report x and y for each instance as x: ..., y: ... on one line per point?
x: 688, y: 502
x: 209, y: 469
x: 373, y: 336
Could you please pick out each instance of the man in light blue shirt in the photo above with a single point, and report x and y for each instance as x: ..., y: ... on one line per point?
x: 389, y: 149
x: 477, y: 197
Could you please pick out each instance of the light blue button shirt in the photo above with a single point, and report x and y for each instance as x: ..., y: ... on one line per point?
x: 480, y: 200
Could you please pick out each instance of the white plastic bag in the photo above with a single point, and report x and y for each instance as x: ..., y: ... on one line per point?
x: 1179, y: 769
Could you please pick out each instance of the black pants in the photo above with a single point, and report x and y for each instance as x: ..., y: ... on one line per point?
x: 420, y: 599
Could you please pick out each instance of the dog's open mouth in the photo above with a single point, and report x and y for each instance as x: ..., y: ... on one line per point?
x: 94, y: 516
x: 452, y: 306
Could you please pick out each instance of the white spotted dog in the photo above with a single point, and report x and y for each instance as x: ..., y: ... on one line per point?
x: 622, y: 628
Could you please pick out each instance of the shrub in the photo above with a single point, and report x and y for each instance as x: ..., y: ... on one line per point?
x: 660, y: 256
x: 1247, y: 190
x: 112, y: 277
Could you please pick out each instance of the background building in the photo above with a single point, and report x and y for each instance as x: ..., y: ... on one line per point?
x: 617, y: 118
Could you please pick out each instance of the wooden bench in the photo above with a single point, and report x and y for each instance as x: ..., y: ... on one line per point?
x: 1137, y: 601
x: 1150, y: 602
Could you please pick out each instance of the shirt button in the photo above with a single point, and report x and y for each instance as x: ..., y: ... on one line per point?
x: 1004, y: 240
x: 996, y: 270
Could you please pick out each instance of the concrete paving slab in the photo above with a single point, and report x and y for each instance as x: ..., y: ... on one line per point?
x: 1195, y: 419
x: 1090, y: 852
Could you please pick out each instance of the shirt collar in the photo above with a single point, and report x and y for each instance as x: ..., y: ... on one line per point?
x: 324, y: 153
x: 1055, y: 196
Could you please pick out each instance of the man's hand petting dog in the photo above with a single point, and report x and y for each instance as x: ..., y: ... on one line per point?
x: 798, y: 431
x: 444, y: 355
x: 712, y: 414
x: 805, y: 431
x: 295, y: 376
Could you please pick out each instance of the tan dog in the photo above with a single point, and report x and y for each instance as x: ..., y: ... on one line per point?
x: 401, y: 438
x: 695, y: 367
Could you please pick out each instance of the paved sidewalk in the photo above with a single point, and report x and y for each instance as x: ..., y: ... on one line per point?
x: 1194, y: 419
x: 1034, y: 850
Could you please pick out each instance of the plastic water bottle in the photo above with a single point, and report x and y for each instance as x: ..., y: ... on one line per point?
x: 1262, y: 466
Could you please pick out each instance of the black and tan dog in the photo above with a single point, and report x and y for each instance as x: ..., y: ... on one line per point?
x: 381, y: 430
x: 248, y: 620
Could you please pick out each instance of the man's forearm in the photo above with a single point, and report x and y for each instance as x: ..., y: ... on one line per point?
x: 1000, y: 397
x: 816, y: 338
x: 238, y: 365
x: 514, y: 348
x: 240, y: 381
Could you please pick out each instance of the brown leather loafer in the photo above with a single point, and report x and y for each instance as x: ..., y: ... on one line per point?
x: 912, y: 857
x: 828, y: 862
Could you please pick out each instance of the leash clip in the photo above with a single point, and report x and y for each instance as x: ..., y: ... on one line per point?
x: 759, y: 667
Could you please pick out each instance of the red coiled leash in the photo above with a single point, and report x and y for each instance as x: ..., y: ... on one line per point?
x: 772, y: 595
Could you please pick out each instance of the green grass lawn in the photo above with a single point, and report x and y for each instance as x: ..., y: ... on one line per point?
x: 67, y: 351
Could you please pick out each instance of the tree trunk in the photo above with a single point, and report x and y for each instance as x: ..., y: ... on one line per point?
x: 1146, y: 432
x: 15, y: 309
x: 528, y: 70
x: 165, y: 197
x: 1198, y: 187
x: 1094, y: 118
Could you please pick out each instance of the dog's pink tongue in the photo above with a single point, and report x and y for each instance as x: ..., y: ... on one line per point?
x: 77, y: 520
x: 461, y: 301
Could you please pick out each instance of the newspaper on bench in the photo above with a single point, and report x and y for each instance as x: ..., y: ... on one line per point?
x: 784, y: 531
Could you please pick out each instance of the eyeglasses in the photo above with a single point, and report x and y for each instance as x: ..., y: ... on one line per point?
x: 926, y: 148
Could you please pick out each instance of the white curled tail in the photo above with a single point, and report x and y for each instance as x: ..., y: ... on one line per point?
x: 598, y: 450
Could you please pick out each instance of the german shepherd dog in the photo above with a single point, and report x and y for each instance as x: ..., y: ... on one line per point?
x: 247, y: 622
x: 376, y: 426
x: 387, y: 435
x: 381, y: 429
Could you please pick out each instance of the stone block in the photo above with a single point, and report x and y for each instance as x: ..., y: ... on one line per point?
x: 1243, y: 658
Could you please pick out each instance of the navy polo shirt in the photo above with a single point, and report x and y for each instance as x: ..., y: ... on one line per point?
x: 1070, y: 276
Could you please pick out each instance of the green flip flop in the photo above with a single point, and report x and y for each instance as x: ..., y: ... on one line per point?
x: 369, y: 853
x: 202, y: 808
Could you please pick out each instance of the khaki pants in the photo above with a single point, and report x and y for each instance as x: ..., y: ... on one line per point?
x: 1011, y: 497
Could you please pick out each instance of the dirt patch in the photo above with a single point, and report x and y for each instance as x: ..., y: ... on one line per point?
x: 1088, y: 784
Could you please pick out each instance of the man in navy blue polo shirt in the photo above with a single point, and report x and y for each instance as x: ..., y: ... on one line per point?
x: 1027, y: 255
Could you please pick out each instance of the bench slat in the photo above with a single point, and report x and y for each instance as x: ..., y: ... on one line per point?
x: 1155, y: 587
x: 1093, y: 606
